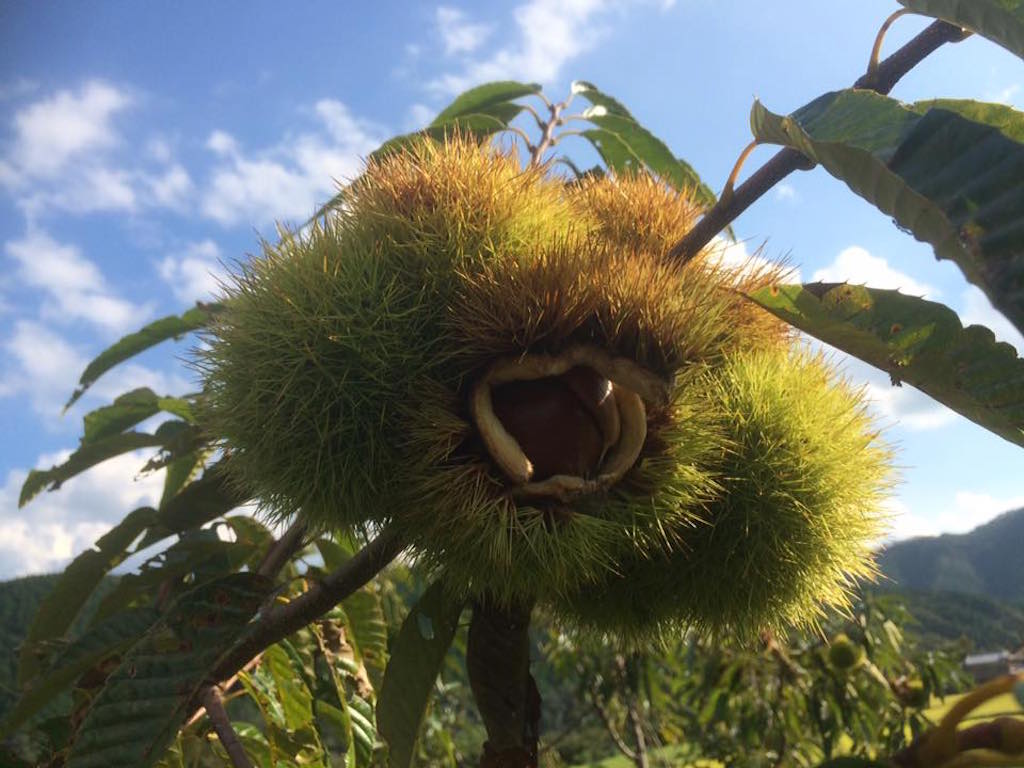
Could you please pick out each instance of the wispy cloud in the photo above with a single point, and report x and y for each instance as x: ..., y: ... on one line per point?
x: 288, y: 180
x: 193, y: 272
x: 67, y: 154
x: 786, y: 192
x: 547, y: 35
x: 42, y: 366
x: 54, y: 527
x: 52, y: 132
x: 964, y: 512
x: 73, y: 286
x: 856, y: 265
x: 457, y: 33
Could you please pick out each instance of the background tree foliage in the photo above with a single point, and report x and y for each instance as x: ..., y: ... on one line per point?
x: 238, y: 644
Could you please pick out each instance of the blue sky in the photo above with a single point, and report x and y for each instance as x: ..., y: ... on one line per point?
x: 141, y: 145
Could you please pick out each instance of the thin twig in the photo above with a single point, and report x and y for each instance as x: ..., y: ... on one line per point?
x: 214, y: 706
x: 281, y: 551
x: 225, y: 687
x: 323, y: 595
x: 548, y: 135
x: 609, y: 725
x: 277, y: 623
x: 784, y: 162
x: 876, y: 50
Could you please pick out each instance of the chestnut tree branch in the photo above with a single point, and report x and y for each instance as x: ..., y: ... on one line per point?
x: 214, y: 706
x: 281, y: 551
x: 277, y: 623
x: 785, y: 161
x: 323, y: 595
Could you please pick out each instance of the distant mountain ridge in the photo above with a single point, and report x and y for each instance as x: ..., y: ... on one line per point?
x: 987, y: 561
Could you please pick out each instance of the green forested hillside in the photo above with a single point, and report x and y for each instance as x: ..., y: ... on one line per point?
x: 942, y: 617
x: 987, y: 561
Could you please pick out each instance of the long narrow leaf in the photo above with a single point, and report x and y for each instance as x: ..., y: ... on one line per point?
x: 916, y: 341
x: 416, y: 658
x: 74, y: 586
x: 612, y: 117
x: 130, y: 409
x: 483, y: 98
x: 173, y: 326
x: 952, y: 175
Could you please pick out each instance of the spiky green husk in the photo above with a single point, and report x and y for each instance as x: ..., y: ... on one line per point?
x: 791, y: 530
x: 327, y: 338
x: 339, y: 375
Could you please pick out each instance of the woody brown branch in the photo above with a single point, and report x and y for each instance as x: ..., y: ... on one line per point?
x: 785, y: 161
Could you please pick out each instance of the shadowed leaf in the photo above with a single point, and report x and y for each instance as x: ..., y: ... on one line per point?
x: 999, y: 20
x: 949, y: 172
x: 920, y: 342
x: 409, y: 678
x: 74, y: 586
x: 145, y: 700
x: 115, y: 635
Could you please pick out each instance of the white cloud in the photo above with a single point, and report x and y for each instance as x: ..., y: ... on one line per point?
x: 75, y: 288
x: 418, y: 116
x: 52, y: 132
x: 457, y: 34
x: 904, y: 405
x: 977, y: 309
x: 549, y: 34
x: 171, y: 188
x: 193, y: 272
x: 786, y: 192
x: 66, y: 155
x: 966, y: 511
x: 856, y: 265
x: 56, y: 526
x: 735, y: 256
x: 908, y: 407
x: 287, y: 181
x: 1004, y: 96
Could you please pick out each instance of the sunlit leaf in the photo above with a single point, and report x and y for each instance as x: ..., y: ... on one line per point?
x: 952, y: 175
x: 367, y: 632
x: 296, y: 700
x: 916, y: 341
x: 651, y: 152
x: 484, y: 97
